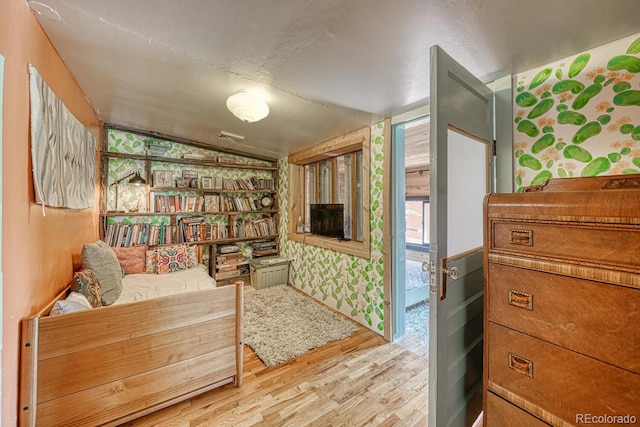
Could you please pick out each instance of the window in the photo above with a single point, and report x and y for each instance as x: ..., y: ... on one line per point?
x: 417, y: 223
x: 339, y: 181
x: 334, y: 171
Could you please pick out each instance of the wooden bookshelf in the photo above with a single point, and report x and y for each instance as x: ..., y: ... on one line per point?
x: 243, y: 191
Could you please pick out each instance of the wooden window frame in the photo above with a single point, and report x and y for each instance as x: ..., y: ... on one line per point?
x: 349, y: 143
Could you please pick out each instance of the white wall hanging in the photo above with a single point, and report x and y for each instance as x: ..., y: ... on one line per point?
x: 63, y: 151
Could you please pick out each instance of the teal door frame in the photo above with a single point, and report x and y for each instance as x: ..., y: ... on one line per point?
x: 398, y: 219
x: 398, y: 226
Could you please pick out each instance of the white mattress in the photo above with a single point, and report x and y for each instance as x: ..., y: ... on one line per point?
x: 137, y: 287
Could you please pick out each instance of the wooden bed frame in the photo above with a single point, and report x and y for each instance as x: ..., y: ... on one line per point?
x: 113, y: 364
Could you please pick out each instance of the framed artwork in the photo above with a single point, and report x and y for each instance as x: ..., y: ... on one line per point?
x: 181, y: 182
x: 162, y: 178
x: 207, y: 182
x: 190, y: 178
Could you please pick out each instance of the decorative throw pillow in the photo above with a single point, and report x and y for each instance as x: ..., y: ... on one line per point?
x: 172, y: 258
x: 86, y: 283
x: 152, y: 261
x: 132, y: 259
x: 192, y: 254
x: 74, y: 302
x: 100, y: 258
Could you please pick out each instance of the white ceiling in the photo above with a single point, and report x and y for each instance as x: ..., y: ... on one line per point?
x: 326, y: 67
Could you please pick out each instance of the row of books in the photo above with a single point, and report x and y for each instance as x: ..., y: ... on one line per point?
x: 194, y: 229
x: 126, y: 235
x: 176, y: 203
x: 233, y: 204
x: 265, y: 226
x: 252, y: 183
x: 208, y: 204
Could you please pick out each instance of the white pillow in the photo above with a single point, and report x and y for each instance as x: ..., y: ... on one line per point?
x: 74, y: 302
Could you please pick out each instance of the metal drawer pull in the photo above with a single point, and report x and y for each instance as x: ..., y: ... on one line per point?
x: 521, y: 365
x: 521, y: 237
x: 521, y: 299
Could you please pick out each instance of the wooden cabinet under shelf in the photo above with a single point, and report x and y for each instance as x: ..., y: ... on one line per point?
x: 241, y: 208
x: 562, y: 291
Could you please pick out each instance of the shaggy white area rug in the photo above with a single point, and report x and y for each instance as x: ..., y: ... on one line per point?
x: 281, y: 323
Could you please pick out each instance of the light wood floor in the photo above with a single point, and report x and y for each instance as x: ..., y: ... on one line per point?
x: 361, y: 380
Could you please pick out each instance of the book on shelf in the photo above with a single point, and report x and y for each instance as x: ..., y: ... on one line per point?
x: 231, y: 259
x: 156, y: 151
x: 227, y: 275
x: 200, y: 156
x: 158, y: 143
x: 264, y: 248
x: 265, y: 252
x: 212, y: 203
x: 227, y: 268
x: 228, y: 249
x: 263, y: 244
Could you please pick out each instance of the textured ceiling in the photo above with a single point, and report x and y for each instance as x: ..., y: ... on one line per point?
x: 326, y: 67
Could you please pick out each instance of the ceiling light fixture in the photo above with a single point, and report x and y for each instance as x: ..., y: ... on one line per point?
x: 44, y: 10
x: 247, y: 107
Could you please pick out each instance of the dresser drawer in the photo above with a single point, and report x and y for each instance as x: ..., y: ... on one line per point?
x: 563, y: 382
x: 501, y: 413
x: 568, y: 312
x: 611, y: 244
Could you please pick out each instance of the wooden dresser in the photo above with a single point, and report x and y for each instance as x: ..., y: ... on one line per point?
x: 562, y: 304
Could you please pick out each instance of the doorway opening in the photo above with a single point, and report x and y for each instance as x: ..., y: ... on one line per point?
x: 411, y: 260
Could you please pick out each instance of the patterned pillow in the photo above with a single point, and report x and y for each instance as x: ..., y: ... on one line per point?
x: 100, y: 258
x: 132, y: 259
x: 172, y: 258
x: 86, y: 282
x: 192, y: 254
x: 152, y: 261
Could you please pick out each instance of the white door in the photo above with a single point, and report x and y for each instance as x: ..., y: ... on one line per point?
x: 461, y: 176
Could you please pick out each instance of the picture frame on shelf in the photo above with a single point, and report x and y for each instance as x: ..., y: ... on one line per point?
x: 180, y: 182
x: 207, y: 182
x: 190, y: 178
x: 162, y: 178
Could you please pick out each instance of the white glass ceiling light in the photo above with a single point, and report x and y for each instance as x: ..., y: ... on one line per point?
x: 247, y: 107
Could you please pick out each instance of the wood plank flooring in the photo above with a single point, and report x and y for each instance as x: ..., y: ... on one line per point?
x: 361, y: 380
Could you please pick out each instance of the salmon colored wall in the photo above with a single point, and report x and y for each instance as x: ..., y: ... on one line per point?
x: 39, y: 252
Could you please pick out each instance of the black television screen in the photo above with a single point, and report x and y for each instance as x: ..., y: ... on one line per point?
x: 327, y: 219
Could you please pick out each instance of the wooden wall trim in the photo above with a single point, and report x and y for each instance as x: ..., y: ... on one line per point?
x: 359, y: 140
x: 335, y: 147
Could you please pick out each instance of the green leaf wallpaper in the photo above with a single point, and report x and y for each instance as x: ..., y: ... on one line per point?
x: 351, y: 285
x: 579, y: 116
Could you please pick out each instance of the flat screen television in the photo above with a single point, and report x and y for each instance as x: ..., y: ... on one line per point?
x: 327, y: 219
